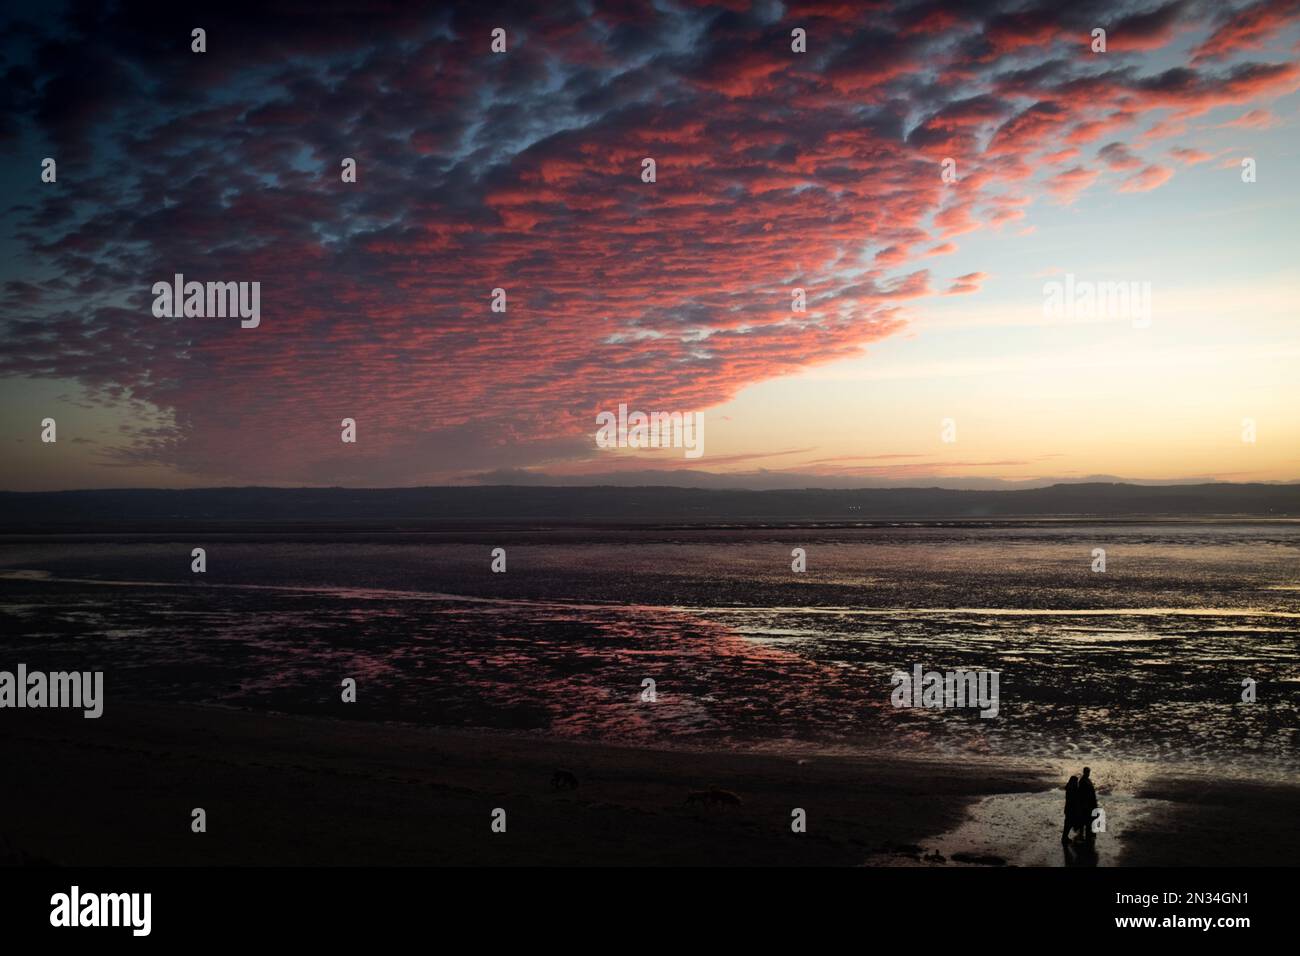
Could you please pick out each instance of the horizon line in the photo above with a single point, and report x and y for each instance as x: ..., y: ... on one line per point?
x: 1128, y: 483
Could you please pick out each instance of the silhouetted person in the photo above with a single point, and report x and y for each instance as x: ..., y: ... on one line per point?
x: 1071, y: 808
x: 1087, y: 803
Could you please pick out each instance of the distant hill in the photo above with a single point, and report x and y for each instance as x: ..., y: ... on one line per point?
x: 420, y: 508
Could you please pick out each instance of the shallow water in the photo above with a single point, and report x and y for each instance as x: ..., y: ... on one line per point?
x: 1142, y: 663
x: 1024, y: 829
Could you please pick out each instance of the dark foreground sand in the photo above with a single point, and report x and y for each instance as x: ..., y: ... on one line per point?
x: 308, y: 791
x: 1218, y: 823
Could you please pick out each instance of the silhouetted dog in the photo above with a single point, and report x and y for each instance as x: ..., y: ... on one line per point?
x: 712, y: 798
x: 564, y: 780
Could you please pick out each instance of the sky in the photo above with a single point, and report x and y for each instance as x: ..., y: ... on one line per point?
x: 931, y: 175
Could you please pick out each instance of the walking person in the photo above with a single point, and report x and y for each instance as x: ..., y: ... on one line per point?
x: 1087, y: 803
x: 1071, y: 809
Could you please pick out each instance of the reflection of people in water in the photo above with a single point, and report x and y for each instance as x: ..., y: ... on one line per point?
x: 1079, y: 854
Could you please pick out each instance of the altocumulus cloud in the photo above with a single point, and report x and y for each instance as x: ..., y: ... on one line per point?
x: 521, y: 171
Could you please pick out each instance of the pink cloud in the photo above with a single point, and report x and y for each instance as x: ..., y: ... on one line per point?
x: 1152, y: 177
x: 966, y: 284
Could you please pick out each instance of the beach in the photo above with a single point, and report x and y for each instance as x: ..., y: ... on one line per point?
x: 344, y: 699
x: 292, y: 790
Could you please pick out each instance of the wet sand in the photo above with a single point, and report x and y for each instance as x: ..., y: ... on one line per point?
x: 1142, y: 825
x: 313, y: 791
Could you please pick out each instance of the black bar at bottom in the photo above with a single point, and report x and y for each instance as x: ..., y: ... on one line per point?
x: 547, y: 907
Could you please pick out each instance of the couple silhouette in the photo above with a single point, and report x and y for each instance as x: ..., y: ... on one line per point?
x: 1080, y: 801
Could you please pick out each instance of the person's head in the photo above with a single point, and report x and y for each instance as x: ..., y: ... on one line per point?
x: 1073, y: 783
x: 1086, y: 771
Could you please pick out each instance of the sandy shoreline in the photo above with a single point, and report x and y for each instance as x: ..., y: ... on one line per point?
x: 313, y: 791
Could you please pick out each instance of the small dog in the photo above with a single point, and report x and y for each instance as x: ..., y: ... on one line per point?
x: 564, y: 780
x: 713, y: 797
